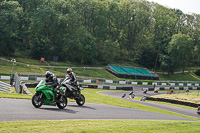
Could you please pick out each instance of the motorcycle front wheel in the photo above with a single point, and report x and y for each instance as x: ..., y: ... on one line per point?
x: 62, y: 102
x: 37, y: 101
x: 80, y: 100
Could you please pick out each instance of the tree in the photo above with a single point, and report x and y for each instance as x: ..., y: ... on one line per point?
x: 109, y: 52
x: 111, y: 31
x: 180, y: 51
x: 86, y: 48
x: 197, y: 40
x: 163, y: 20
x: 167, y: 64
x: 9, y: 12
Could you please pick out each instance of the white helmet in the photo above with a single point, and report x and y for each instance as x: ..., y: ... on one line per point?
x: 69, y: 71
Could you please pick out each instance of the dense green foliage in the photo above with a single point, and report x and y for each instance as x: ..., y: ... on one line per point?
x: 197, y: 71
x: 178, y: 53
x: 106, y: 31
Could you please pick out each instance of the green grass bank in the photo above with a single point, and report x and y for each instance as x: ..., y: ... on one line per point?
x: 101, y: 126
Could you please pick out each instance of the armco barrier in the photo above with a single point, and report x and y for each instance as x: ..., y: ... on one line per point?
x: 173, y: 88
x: 108, y: 87
x: 4, y: 87
x: 33, y: 85
x: 188, y: 84
x: 173, y: 101
x: 5, y: 77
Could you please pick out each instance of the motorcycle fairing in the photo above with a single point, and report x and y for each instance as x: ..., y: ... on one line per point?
x: 48, y: 92
x: 70, y: 87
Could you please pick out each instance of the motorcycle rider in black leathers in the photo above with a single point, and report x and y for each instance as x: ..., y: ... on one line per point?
x: 72, y: 76
x: 52, y: 81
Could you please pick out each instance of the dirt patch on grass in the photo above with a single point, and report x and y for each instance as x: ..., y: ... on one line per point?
x: 183, y: 97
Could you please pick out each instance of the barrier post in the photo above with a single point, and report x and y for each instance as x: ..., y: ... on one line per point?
x: 22, y: 89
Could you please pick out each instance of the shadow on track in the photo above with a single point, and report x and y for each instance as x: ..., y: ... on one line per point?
x: 60, y: 110
x: 87, y: 107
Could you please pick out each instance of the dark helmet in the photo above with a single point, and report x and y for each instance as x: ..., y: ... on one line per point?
x: 69, y: 71
x: 48, y: 74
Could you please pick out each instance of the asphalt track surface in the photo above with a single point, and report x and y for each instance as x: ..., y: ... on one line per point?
x: 23, y: 110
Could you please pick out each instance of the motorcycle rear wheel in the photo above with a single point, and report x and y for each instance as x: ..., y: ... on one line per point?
x: 198, y: 110
x: 62, y: 102
x: 80, y: 100
x: 37, y: 101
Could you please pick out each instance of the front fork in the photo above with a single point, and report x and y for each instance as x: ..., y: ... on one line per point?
x: 40, y: 96
x: 77, y: 96
x: 60, y: 95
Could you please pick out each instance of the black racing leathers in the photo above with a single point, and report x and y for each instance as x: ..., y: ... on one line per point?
x: 52, y: 82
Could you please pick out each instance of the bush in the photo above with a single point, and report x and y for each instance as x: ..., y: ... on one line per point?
x: 197, y: 71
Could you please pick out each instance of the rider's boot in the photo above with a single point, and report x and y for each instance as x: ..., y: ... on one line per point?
x: 56, y: 96
x: 55, y: 93
x: 75, y: 93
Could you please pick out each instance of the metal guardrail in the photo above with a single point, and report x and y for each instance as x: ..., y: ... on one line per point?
x: 38, y: 78
x: 25, y: 90
x: 17, y: 83
x: 19, y: 86
x: 4, y: 87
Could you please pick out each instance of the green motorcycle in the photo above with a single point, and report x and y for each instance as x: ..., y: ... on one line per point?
x: 44, y: 96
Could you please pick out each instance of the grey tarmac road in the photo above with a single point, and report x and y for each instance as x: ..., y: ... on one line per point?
x: 139, y: 93
x: 22, y: 110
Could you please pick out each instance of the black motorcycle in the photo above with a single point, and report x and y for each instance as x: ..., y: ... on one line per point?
x: 73, y: 92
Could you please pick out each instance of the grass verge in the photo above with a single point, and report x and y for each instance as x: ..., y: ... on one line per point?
x: 14, y: 95
x: 103, y: 126
x: 178, y: 77
x: 23, y: 66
